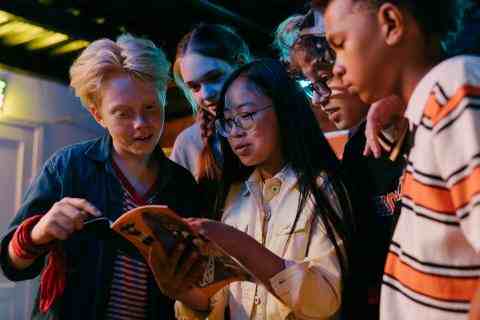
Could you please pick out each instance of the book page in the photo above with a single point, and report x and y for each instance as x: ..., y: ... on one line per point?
x: 149, y: 226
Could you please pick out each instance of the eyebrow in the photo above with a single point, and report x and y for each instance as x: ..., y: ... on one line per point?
x: 118, y: 106
x: 204, y: 77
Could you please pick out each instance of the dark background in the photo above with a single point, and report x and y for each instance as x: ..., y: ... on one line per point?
x: 163, y: 21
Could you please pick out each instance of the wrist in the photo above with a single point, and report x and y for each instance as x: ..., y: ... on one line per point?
x: 22, y: 244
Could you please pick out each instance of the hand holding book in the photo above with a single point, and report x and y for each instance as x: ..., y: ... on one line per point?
x: 179, y: 257
x: 178, y: 272
x: 241, y: 247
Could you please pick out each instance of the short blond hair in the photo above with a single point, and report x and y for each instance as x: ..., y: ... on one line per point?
x: 134, y: 56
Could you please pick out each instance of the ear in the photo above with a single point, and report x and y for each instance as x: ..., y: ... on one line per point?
x: 392, y: 23
x: 96, y: 114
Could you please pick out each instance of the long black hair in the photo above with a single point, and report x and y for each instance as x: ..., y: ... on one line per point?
x: 304, y: 148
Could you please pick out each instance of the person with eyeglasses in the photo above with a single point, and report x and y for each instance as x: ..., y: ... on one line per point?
x: 312, y: 58
x: 285, y: 36
x: 374, y: 183
x: 286, y: 215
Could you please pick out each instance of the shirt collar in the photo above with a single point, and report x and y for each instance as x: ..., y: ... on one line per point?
x: 420, y: 95
x: 101, y: 150
x: 287, y: 177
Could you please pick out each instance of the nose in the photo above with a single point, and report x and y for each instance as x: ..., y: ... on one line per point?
x: 139, y: 121
x: 236, y: 132
x: 338, y: 69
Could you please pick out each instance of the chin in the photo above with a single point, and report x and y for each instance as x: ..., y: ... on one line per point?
x: 248, y: 162
x: 142, y: 151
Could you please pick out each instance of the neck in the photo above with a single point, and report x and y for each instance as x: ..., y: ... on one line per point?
x: 268, y: 171
x: 132, y: 164
x: 419, y: 66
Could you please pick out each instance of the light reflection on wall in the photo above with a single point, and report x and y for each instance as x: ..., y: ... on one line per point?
x: 3, y: 89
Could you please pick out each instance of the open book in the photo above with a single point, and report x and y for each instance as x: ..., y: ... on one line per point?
x: 149, y: 226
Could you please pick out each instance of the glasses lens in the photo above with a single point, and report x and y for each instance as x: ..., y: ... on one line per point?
x: 246, y: 122
x: 322, y: 89
x: 324, y: 50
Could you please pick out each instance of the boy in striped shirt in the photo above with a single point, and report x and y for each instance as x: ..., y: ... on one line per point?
x: 394, y: 47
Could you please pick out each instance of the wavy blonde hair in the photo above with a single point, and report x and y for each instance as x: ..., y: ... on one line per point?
x: 137, y: 57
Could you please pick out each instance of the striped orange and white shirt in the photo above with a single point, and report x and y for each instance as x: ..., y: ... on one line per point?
x: 433, y: 265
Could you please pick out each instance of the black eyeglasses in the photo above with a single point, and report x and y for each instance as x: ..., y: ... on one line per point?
x: 245, y: 121
x: 320, y: 88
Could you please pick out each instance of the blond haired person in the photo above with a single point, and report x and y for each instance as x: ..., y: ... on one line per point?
x: 123, y: 85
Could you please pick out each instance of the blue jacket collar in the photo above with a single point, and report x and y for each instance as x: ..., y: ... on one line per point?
x: 101, y: 149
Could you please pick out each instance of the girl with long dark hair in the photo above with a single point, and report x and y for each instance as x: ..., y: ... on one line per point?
x: 285, y: 212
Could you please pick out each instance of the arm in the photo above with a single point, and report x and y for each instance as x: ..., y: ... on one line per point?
x: 180, y: 151
x: 249, y: 253
x: 386, y: 127
x: 59, y: 223
x: 298, y: 284
x: 456, y: 141
x: 57, y: 220
x: 40, y: 196
x: 475, y: 305
x: 301, y: 284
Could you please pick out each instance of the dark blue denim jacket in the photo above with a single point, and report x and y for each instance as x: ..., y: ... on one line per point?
x: 85, y: 170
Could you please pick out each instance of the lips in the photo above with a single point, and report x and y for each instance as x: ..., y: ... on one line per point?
x: 143, y: 138
x: 338, y: 92
x: 241, y: 149
x: 331, y: 110
x: 333, y: 114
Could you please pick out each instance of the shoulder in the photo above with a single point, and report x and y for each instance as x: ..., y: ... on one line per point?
x: 187, y: 147
x: 191, y: 134
x: 446, y: 84
x: 74, y: 153
x: 457, y: 72
x: 237, y: 197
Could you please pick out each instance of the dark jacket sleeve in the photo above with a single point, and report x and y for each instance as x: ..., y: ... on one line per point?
x: 39, y: 198
x: 186, y: 197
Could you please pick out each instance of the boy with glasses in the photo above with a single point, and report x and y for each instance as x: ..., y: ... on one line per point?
x: 373, y: 182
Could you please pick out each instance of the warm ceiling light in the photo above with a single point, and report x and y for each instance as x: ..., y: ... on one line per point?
x: 17, y: 31
x: 13, y: 27
x: 47, y: 40
x: 71, y: 46
x: 4, y: 17
x: 27, y: 35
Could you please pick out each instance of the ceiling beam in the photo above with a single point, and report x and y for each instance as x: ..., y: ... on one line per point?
x: 223, y: 12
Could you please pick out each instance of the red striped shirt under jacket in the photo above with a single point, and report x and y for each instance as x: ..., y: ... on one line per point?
x: 129, y: 297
